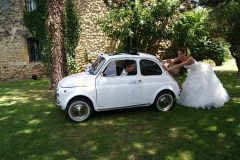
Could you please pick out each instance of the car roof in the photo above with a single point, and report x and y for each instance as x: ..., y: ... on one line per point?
x: 128, y: 55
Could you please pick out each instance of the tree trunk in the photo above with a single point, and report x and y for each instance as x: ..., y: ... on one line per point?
x: 235, y: 52
x: 56, y: 28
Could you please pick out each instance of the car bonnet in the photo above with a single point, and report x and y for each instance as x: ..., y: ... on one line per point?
x: 82, y: 79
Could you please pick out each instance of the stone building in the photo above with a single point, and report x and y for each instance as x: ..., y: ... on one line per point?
x: 92, y: 39
x: 19, y: 56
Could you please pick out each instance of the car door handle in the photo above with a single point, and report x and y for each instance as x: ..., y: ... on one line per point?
x: 135, y: 82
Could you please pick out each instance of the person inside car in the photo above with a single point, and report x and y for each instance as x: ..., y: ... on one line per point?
x: 129, y: 67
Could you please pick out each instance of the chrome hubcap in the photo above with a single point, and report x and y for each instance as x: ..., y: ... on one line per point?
x: 79, y: 111
x: 165, y: 102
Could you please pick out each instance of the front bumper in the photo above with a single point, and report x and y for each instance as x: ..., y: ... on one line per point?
x: 57, y: 99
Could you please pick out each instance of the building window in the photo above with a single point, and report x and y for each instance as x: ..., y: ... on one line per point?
x: 33, y: 50
x: 30, y: 5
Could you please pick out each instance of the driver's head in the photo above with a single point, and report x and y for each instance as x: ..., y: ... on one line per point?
x: 129, y: 65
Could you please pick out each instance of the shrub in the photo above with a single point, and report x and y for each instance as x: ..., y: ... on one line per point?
x: 211, y: 62
x: 190, y: 31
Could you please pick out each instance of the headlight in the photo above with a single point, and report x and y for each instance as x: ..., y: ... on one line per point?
x: 57, y: 100
x: 56, y: 96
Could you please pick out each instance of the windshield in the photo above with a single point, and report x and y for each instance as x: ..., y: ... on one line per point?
x: 97, y: 65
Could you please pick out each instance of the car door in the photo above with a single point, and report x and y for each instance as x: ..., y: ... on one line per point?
x: 114, y: 90
x: 152, y: 79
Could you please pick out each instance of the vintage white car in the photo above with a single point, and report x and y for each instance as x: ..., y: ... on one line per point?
x: 102, y: 87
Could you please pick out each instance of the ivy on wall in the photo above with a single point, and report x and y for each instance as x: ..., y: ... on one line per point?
x: 71, y: 35
x: 36, y: 20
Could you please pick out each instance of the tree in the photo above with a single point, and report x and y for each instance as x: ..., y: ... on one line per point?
x: 56, y: 30
x: 224, y: 22
x: 212, y: 3
x: 189, y: 30
x: 138, y: 20
x: 69, y: 27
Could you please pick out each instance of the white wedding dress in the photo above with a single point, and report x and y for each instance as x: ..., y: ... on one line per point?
x: 202, y: 88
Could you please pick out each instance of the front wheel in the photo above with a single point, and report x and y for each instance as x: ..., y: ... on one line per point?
x: 79, y: 109
x: 164, y: 101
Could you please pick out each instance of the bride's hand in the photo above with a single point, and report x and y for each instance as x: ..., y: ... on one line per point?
x: 158, y: 57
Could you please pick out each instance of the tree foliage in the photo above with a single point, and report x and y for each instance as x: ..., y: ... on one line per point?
x: 148, y: 21
x: 213, y: 3
x: 190, y: 31
x: 224, y: 22
x: 138, y: 20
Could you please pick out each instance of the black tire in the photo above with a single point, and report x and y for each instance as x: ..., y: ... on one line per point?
x: 164, y: 101
x: 79, y: 109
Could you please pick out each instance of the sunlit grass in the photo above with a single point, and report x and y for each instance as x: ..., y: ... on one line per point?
x: 31, y: 128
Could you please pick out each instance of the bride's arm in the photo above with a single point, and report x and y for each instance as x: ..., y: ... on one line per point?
x: 186, y: 62
x: 168, y: 60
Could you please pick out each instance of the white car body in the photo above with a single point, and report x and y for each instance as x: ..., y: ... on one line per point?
x: 115, y: 92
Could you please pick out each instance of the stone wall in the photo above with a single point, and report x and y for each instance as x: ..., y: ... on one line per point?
x: 14, y: 58
x: 14, y: 62
x: 92, y: 40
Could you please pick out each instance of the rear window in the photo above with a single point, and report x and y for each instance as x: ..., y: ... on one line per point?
x: 150, y: 68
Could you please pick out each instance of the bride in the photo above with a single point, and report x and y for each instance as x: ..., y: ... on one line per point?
x: 201, y: 88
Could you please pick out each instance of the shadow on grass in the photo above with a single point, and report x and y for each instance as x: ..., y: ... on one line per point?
x: 32, y: 128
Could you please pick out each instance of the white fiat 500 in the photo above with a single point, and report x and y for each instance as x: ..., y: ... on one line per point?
x: 107, y: 85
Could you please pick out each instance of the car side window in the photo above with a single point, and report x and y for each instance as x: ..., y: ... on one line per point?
x: 120, y: 68
x: 149, y: 68
x: 110, y: 70
x: 129, y: 67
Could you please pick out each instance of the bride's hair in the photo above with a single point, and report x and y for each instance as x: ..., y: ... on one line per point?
x: 183, y: 50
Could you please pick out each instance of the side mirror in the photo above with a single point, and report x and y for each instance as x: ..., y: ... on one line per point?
x: 89, y: 67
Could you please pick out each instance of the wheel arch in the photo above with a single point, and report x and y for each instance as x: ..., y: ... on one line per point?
x: 163, y: 90
x: 78, y: 97
x: 166, y: 90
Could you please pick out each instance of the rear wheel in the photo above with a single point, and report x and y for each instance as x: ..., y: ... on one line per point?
x: 164, y: 101
x: 79, y: 109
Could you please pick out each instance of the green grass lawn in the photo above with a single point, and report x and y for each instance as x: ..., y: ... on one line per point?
x: 32, y: 128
